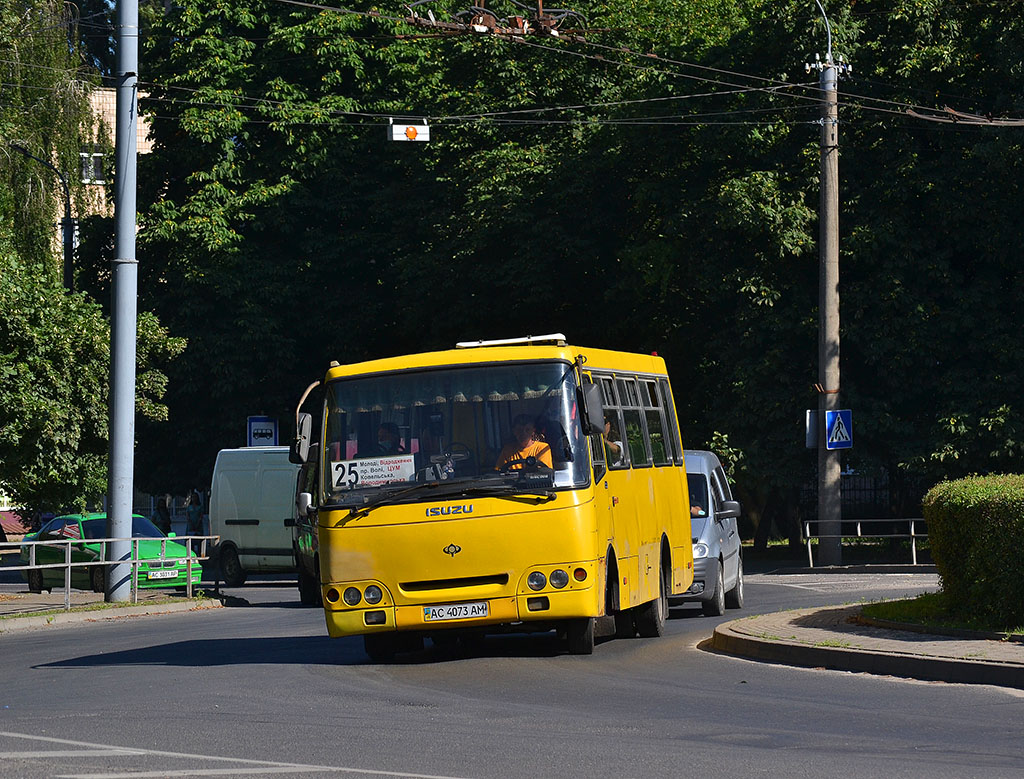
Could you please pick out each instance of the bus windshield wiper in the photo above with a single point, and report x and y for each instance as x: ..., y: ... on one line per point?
x: 501, y: 486
x: 488, y: 486
x: 392, y: 496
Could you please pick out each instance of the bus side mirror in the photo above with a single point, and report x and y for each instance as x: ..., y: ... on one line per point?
x: 303, y: 502
x: 298, y: 452
x: 593, y: 422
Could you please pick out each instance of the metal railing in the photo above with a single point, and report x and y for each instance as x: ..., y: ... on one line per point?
x: 206, y: 545
x: 915, y: 529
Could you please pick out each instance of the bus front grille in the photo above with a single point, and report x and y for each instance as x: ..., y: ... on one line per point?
x: 499, y: 579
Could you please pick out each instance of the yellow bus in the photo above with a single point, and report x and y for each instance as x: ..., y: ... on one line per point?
x: 502, y: 486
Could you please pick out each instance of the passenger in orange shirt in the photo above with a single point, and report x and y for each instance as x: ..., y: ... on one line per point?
x: 524, y: 444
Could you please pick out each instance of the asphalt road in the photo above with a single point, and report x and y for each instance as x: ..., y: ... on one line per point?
x: 261, y: 690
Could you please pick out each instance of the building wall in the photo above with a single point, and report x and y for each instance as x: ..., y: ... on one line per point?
x: 96, y: 170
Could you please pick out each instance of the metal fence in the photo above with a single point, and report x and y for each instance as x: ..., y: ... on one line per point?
x: 870, y: 528
x: 206, y: 545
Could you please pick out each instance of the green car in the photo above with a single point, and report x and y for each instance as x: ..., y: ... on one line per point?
x: 163, y: 562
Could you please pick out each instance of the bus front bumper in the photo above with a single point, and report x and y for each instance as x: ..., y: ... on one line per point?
x: 532, y: 607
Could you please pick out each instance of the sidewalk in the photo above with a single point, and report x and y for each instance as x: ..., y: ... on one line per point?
x: 22, y: 610
x: 837, y: 638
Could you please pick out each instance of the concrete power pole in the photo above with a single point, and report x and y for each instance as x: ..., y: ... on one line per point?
x: 123, y: 326
x: 829, y: 489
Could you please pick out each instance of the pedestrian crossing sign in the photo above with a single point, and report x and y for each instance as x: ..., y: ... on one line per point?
x: 839, y: 429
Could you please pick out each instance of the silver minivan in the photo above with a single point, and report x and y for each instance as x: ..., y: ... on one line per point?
x: 714, y: 519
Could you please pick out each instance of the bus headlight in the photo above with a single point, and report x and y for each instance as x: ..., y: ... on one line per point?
x: 536, y: 580
x: 373, y: 594
x: 700, y: 551
x: 352, y: 596
x: 559, y: 578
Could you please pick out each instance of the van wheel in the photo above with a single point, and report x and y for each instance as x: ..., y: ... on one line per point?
x: 716, y: 606
x: 579, y: 634
x: 734, y: 597
x: 97, y: 578
x: 35, y: 581
x: 380, y: 647
x: 309, y: 589
x: 650, y: 617
x: 231, y: 567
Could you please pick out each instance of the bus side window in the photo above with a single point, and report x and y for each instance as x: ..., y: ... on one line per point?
x: 636, y: 430
x: 655, y: 415
x: 613, y: 416
x: 596, y: 445
x: 676, y: 448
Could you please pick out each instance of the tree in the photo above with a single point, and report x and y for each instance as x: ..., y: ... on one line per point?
x: 54, y: 347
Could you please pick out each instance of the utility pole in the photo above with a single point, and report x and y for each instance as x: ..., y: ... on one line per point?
x: 830, y: 550
x: 67, y: 223
x: 123, y: 326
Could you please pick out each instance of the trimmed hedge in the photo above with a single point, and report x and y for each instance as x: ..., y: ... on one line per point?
x: 976, y: 534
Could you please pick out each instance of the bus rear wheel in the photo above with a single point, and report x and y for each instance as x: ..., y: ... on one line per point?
x: 579, y: 634
x: 650, y: 617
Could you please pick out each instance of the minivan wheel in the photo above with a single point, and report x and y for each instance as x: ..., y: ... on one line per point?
x: 716, y: 606
x: 231, y: 567
x: 734, y: 598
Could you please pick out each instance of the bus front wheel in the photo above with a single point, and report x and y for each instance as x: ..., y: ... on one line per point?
x: 380, y: 647
x: 579, y: 634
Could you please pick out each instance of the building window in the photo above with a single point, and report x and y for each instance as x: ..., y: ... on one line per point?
x: 92, y: 165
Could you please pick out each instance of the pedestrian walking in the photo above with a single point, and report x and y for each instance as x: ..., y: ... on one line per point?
x: 162, y: 515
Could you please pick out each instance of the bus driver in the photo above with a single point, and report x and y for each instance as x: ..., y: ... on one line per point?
x: 524, y: 444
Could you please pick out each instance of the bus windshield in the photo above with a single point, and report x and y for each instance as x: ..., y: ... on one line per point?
x: 499, y: 425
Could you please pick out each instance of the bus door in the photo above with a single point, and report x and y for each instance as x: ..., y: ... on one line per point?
x: 643, y: 495
x: 614, y: 493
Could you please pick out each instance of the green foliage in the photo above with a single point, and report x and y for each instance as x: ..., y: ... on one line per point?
x: 976, y: 532
x: 54, y: 350
x: 54, y: 347
x: 280, y: 229
x: 54, y: 362
x: 44, y: 108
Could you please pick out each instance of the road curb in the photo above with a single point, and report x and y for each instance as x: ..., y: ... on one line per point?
x: 64, y: 618
x: 730, y: 640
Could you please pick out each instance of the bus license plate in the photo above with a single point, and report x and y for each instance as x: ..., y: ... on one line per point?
x: 455, y: 611
x: 162, y: 575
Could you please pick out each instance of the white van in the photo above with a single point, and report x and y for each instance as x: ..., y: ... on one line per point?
x: 252, y: 509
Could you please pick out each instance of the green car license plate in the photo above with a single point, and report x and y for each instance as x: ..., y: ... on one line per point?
x: 162, y: 575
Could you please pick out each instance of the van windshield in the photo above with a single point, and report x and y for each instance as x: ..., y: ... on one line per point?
x: 501, y: 423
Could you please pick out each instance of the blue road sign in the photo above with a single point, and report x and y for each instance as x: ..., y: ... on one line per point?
x: 839, y: 429
x: 262, y: 431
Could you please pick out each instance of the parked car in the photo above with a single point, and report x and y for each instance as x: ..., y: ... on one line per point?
x: 163, y: 561
x: 305, y: 545
x: 714, y: 518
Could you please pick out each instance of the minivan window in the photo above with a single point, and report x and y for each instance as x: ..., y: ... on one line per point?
x: 698, y: 494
